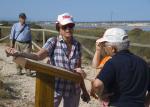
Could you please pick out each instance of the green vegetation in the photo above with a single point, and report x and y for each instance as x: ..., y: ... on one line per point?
x: 97, y: 32
x: 143, y: 37
x: 136, y: 36
x: 139, y: 36
x: 5, y: 23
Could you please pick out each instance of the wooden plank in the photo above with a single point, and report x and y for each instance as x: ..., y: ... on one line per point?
x: 48, y: 69
x: 140, y: 45
x: 88, y: 51
x: 4, y: 38
x: 34, y: 44
x: 44, y: 94
x: 79, y: 36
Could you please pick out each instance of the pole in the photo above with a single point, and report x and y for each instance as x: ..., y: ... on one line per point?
x: 43, y: 37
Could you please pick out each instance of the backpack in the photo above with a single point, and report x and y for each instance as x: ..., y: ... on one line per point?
x: 49, y: 60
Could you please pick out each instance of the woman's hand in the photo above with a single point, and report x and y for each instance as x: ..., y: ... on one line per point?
x: 11, y: 51
x: 81, y: 72
x: 99, y: 46
x: 85, y: 97
x: 92, y: 92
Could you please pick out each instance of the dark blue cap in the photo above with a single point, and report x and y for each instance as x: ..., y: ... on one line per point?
x: 22, y: 15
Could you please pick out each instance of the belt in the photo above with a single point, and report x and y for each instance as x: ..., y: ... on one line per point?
x: 24, y: 41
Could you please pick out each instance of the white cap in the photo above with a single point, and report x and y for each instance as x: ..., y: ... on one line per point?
x: 64, y: 19
x: 114, y: 35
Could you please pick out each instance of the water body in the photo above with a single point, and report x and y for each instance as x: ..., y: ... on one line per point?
x: 128, y: 28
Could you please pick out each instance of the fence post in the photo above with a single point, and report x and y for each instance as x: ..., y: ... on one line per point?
x: 43, y: 37
x: 0, y: 33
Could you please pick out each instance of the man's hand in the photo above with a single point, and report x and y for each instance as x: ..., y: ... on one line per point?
x: 97, y: 88
x: 11, y: 51
x: 147, y: 100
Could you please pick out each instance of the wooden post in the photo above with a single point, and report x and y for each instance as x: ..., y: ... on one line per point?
x: 44, y: 37
x: 45, y: 86
x: 45, y: 80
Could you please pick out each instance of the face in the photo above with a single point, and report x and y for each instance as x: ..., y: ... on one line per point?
x: 22, y: 20
x: 66, y: 30
x: 110, y: 50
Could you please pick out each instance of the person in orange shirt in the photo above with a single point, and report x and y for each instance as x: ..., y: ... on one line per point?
x: 99, y: 60
x: 103, y: 61
x: 100, y: 56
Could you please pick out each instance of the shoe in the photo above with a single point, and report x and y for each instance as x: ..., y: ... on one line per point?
x: 19, y: 72
x: 28, y: 72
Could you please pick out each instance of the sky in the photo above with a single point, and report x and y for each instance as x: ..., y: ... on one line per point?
x: 81, y: 10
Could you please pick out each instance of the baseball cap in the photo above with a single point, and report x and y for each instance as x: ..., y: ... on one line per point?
x: 22, y: 15
x: 64, y: 19
x: 114, y: 35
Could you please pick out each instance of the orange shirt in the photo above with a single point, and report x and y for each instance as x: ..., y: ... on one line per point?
x: 103, y: 61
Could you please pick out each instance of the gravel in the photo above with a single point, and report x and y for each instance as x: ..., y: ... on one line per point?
x: 22, y: 87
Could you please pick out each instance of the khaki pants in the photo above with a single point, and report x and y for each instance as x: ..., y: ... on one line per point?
x: 23, y: 47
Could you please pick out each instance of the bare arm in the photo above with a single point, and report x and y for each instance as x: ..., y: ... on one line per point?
x: 43, y: 53
x: 96, y: 58
x: 85, y: 95
x: 147, y: 99
x: 82, y: 73
x: 97, y: 88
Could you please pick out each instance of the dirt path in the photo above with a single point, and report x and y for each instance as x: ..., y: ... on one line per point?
x: 22, y: 88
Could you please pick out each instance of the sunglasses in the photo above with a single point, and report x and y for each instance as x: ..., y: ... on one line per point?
x: 69, y: 26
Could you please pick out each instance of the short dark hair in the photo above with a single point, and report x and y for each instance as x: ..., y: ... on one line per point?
x: 57, y: 26
x: 22, y: 15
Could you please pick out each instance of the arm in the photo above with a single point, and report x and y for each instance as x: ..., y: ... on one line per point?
x: 96, y: 58
x: 85, y: 96
x: 147, y: 99
x: 103, y: 79
x: 43, y: 53
x: 82, y: 73
x: 35, y: 56
x: 97, y: 88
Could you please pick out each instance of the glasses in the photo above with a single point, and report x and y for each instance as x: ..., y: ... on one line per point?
x: 69, y: 26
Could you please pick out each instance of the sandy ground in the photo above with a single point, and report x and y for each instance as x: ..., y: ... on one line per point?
x: 23, y: 87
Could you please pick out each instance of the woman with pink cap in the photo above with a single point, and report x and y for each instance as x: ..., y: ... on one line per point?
x: 64, y: 51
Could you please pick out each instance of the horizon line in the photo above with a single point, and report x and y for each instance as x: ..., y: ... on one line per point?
x: 81, y: 21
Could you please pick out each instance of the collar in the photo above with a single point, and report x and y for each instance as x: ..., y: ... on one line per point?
x: 73, y: 40
x: 123, y: 51
x: 21, y: 24
x: 126, y: 51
